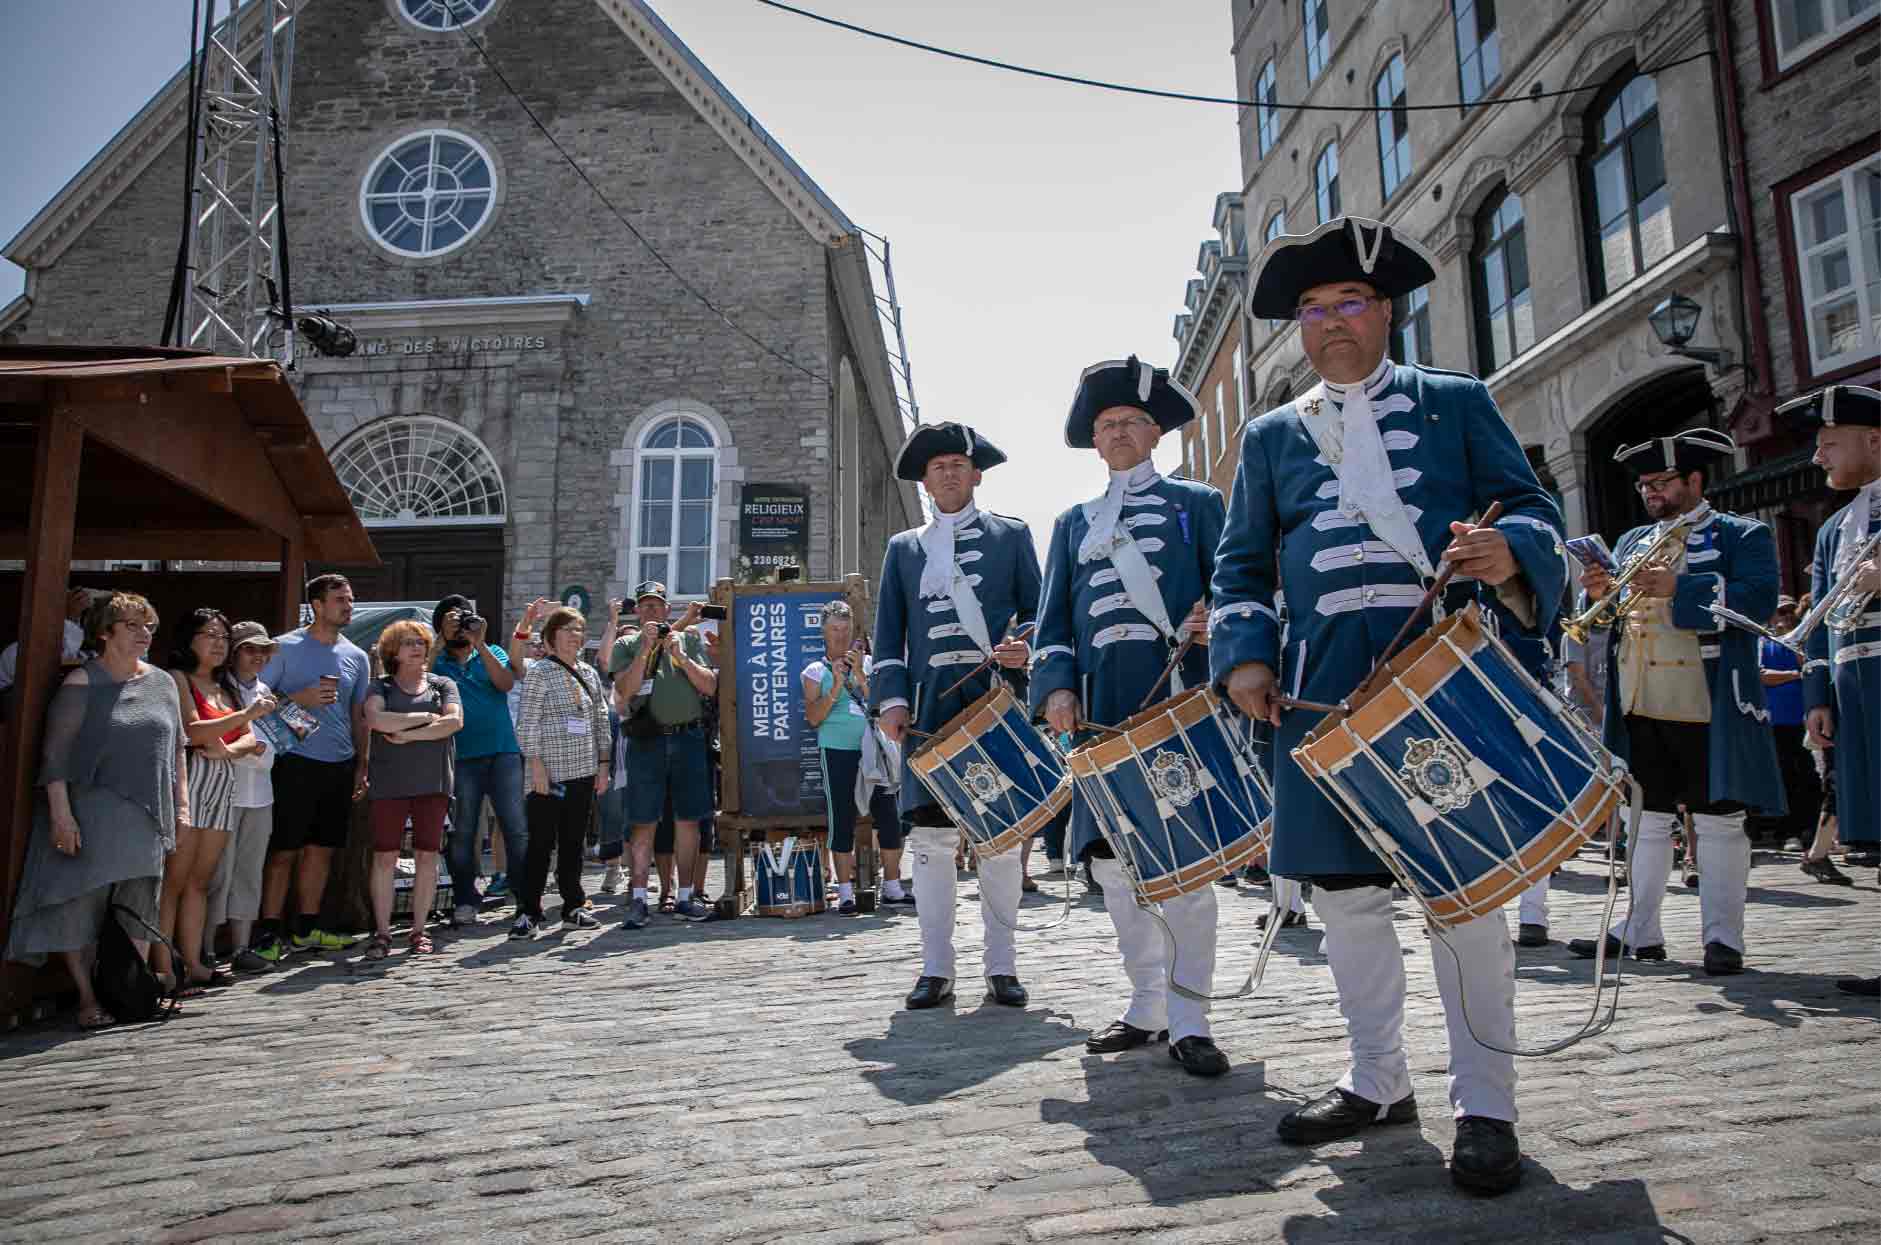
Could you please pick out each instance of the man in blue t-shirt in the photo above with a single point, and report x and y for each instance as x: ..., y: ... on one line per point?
x: 1781, y: 672
x: 315, y: 785
x: 489, y: 761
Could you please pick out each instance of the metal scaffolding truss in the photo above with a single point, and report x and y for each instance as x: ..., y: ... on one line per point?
x: 234, y: 269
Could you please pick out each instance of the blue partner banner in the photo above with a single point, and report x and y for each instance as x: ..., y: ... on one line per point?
x: 778, y: 636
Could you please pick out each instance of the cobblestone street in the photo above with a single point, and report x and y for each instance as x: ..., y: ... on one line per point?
x: 759, y: 1081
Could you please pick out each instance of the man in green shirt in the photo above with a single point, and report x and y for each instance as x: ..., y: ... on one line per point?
x: 661, y: 678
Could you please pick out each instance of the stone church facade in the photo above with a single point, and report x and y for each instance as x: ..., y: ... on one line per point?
x: 537, y: 403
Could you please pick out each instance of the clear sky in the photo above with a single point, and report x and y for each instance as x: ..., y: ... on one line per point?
x: 1036, y: 227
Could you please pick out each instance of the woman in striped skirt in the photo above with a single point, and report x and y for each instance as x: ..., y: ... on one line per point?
x: 216, y: 728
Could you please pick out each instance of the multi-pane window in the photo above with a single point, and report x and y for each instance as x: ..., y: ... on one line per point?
x: 1410, y: 327
x: 1326, y: 182
x: 405, y: 469
x: 428, y: 193
x: 1478, y: 47
x: 1628, y: 201
x: 1266, y: 116
x: 1240, y: 391
x: 443, y: 14
x: 1802, y: 26
x: 1505, y: 317
x: 1316, y: 28
x: 1394, y: 126
x: 1838, y: 253
x: 678, y: 501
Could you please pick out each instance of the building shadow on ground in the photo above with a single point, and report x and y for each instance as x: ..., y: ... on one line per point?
x: 930, y: 1055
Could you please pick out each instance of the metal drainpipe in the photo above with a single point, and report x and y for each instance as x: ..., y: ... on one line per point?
x: 1750, y: 272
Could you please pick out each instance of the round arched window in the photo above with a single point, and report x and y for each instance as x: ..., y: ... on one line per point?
x: 443, y: 14
x: 428, y: 193
x: 419, y: 469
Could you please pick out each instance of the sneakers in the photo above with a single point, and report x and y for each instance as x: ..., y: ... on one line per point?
x: 247, y: 960
x: 270, y: 950
x: 636, y: 915
x: 497, y: 887
x: 523, y: 929
x: 906, y: 897
x: 1792, y: 844
x: 464, y: 915
x: 1824, y: 870
x: 320, y: 940
x: 693, y: 910
x: 846, y: 908
x: 611, y: 880
x: 580, y: 918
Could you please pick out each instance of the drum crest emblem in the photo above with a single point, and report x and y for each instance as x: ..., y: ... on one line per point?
x: 981, y: 781
x: 1174, y: 779
x: 1440, y: 771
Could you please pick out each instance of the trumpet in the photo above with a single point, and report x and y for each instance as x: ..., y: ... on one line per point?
x: 1841, y: 607
x: 1616, y: 601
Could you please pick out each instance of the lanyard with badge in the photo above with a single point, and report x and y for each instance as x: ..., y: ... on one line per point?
x: 577, y: 722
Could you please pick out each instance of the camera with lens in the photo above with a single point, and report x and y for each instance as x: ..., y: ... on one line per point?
x: 666, y: 629
x: 469, y: 621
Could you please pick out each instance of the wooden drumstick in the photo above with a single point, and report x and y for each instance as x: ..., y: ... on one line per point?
x: 1311, y: 706
x: 1023, y: 633
x: 1175, y: 659
x: 1437, y: 585
x: 1092, y: 726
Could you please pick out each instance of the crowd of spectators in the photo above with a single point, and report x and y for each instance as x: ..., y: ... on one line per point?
x: 210, y: 808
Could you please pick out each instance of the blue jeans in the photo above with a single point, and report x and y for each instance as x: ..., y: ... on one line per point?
x: 500, y: 777
x: 613, y: 809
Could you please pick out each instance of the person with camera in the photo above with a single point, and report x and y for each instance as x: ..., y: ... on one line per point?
x: 662, y: 680
x: 564, y: 737
x: 835, y: 700
x: 489, y: 760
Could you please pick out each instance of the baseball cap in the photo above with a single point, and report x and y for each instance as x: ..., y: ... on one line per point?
x: 249, y: 633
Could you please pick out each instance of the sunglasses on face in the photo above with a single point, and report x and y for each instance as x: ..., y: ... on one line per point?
x: 1345, y: 309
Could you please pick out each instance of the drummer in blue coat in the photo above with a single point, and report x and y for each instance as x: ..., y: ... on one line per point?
x: 1124, y: 583
x: 1347, y: 498
x: 1685, y: 705
x: 952, y: 593
x: 1842, y: 675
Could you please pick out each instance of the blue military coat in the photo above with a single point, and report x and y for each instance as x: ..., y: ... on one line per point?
x: 1091, y: 638
x: 919, y: 650
x: 1843, y: 672
x: 1729, y: 561
x: 1347, y: 592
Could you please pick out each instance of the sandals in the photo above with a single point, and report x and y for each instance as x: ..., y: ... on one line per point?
x: 95, y: 1018
x: 190, y: 990
x: 378, y: 946
x: 421, y: 943
x: 216, y: 979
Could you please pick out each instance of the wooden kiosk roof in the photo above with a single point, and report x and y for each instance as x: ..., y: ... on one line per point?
x: 144, y: 453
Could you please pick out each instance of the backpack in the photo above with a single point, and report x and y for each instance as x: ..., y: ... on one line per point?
x: 122, y: 980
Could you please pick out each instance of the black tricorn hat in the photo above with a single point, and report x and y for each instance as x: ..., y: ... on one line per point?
x: 932, y: 440
x: 1683, y: 452
x: 1836, y: 406
x: 1126, y: 382
x: 1346, y: 248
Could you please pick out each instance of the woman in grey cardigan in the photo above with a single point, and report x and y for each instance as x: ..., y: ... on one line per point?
x: 114, y: 785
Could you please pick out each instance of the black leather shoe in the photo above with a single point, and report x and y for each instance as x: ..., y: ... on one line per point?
x: 1486, y: 1159
x: 1532, y: 936
x: 1254, y: 875
x: 1584, y: 948
x: 1824, y: 870
x: 1336, y: 1114
x: 1227, y: 881
x: 1722, y: 961
x: 1199, y: 1056
x: 1091, y: 885
x: 1005, y: 990
x: 1289, y: 920
x: 1864, y: 987
x: 930, y: 992
x: 1120, y: 1037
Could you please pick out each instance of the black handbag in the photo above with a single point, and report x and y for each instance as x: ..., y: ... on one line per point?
x: 121, y: 978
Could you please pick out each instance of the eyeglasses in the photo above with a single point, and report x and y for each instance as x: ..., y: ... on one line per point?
x: 1658, y: 483
x: 1345, y: 309
x: 1114, y: 426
